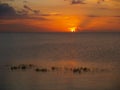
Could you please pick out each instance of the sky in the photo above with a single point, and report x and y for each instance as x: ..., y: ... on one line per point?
x: 59, y: 15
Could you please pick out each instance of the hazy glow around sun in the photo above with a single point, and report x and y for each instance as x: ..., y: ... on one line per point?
x: 72, y: 29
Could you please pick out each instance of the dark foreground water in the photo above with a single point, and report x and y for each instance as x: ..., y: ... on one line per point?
x: 98, y: 51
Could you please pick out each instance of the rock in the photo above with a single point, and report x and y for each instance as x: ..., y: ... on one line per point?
x: 41, y: 70
x: 55, y: 68
x: 76, y: 70
x: 14, y: 68
x: 85, y: 69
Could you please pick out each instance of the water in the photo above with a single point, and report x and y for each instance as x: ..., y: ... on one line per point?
x: 65, y: 50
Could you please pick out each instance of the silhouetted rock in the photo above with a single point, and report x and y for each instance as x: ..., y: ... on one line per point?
x: 14, y: 68
x: 23, y: 67
x: 85, y: 69
x: 31, y: 65
x: 81, y: 69
x: 55, y: 68
x: 76, y: 70
x: 26, y: 66
x: 41, y: 70
x: 37, y: 69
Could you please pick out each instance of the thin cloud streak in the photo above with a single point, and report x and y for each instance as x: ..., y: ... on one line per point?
x: 30, y: 9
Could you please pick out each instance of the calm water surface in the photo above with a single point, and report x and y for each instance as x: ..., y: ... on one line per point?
x: 93, y: 50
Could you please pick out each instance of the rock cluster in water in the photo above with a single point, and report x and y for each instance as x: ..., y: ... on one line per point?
x: 21, y: 67
x: 51, y: 69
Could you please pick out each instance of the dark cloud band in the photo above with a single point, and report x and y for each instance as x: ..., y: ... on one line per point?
x: 8, y: 12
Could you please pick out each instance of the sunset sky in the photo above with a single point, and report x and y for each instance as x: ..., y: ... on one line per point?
x: 59, y: 15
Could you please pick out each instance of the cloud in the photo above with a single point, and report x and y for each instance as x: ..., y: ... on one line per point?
x: 93, y: 16
x: 30, y: 9
x: 51, y: 14
x: 25, y: 6
x: 6, y: 0
x: 117, y: 16
x: 100, y: 1
x: 23, y: 12
x: 113, y: 1
x: 83, y: 1
x: 37, y: 12
x: 20, y: 27
x: 25, y: 1
x: 78, y: 2
x: 116, y: 0
x: 13, y: 26
x: 8, y: 12
x: 3, y: 1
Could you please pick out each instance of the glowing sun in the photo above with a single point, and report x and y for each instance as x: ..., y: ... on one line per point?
x: 72, y: 29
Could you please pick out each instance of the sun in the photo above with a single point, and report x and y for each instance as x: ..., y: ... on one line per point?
x: 72, y: 29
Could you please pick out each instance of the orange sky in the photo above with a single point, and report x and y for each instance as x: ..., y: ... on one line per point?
x: 59, y: 15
